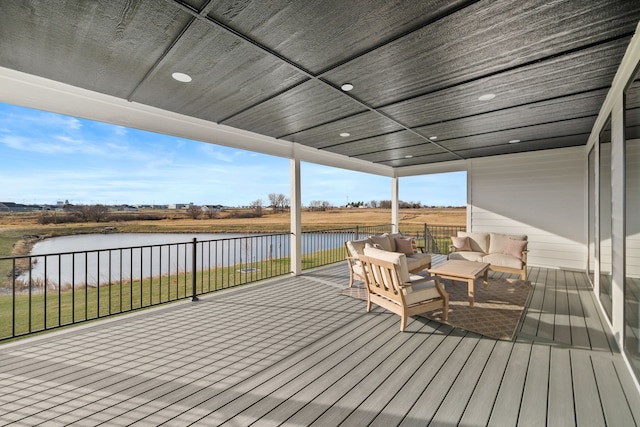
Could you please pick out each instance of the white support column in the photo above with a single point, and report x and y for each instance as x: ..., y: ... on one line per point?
x: 296, y: 218
x: 617, y: 219
x: 395, y: 216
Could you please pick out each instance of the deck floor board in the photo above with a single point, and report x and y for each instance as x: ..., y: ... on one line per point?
x: 294, y: 351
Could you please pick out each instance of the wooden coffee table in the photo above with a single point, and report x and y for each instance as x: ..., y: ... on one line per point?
x: 464, y: 271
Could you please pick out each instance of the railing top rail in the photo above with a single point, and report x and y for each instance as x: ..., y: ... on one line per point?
x: 155, y: 245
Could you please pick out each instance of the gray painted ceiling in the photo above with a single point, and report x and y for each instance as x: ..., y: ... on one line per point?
x: 276, y: 67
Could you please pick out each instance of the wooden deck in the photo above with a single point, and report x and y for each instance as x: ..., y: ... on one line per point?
x: 294, y: 351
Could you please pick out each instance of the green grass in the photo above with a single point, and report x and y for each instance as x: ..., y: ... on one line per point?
x: 40, y: 311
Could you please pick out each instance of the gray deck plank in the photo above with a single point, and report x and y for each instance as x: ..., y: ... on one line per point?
x: 397, y: 408
x: 283, y: 352
x: 533, y: 409
x: 433, y: 395
x: 532, y: 316
x: 208, y: 401
x: 562, y: 322
x: 310, y: 383
x: 579, y: 335
x: 480, y: 405
x: 561, y: 406
x: 628, y: 387
x: 507, y: 404
x: 586, y: 396
x: 451, y: 410
x: 595, y: 323
x: 546, y: 327
x: 376, y: 389
x: 614, y: 404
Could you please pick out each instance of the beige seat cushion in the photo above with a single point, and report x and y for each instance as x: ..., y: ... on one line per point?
x: 502, y: 260
x: 423, y: 291
x: 418, y: 261
x: 467, y: 255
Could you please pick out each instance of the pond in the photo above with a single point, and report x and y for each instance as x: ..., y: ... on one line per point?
x: 102, y: 258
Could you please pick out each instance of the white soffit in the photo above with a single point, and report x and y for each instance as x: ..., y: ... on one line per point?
x: 26, y: 90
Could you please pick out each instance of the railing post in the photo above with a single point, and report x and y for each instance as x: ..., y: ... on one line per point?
x: 424, y: 233
x: 194, y: 296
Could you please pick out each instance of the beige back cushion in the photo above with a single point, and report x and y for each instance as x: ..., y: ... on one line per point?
x: 392, y: 238
x: 383, y: 240
x: 479, y: 241
x: 498, y: 242
x: 356, y: 247
x: 399, y: 259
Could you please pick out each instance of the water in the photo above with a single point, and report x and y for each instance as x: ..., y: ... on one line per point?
x: 106, y: 258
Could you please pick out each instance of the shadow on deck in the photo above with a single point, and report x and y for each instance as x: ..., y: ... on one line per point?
x: 294, y: 351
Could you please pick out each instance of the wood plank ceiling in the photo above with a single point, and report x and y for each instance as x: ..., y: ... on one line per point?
x: 276, y: 67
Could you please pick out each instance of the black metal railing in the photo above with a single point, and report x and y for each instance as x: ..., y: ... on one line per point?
x: 41, y: 292
x: 47, y: 291
x: 436, y: 239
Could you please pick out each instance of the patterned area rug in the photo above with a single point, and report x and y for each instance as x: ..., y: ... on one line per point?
x: 496, y: 312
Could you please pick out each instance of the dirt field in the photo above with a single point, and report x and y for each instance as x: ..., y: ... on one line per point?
x: 15, y: 226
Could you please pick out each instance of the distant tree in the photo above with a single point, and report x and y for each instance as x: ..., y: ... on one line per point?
x: 210, y: 212
x: 97, y: 213
x: 385, y: 204
x: 279, y: 202
x: 86, y: 213
x: 319, y: 205
x: 194, y: 211
x: 373, y: 204
x: 257, y: 206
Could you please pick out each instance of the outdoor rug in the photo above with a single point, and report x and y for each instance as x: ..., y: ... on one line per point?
x: 496, y: 313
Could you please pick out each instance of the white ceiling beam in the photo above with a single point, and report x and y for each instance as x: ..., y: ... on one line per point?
x: 31, y: 91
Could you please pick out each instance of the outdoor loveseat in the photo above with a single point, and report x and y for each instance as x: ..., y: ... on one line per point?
x: 417, y: 260
x: 505, y: 252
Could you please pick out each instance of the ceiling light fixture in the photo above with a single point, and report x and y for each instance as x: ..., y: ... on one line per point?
x: 433, y: 138
x: 346, y: 87
x: 487, y: 97
x: 514, y: 141
x: 181, y: 77
x: 408, y: 156
x: 345, y: 134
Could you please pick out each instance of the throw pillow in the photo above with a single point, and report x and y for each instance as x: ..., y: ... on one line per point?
x: 405, y: 246
x: 515, y: 248
x: 461, y: 243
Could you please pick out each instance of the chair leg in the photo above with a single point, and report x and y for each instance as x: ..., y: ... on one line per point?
x: 445, y: 307
x: 403, y: 321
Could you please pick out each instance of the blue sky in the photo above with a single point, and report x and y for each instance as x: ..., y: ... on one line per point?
x: 45, y: 157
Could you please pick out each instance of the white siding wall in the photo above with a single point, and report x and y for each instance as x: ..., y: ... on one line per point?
x: 540, y: 194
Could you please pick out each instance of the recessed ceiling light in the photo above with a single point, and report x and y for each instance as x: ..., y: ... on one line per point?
x: 181, y: 77
x: 514, y: 141
x: 346, y: 87
x: 408, y: 156
x: 487, y: 97
x: 345, y: 134
x: 433, y: 138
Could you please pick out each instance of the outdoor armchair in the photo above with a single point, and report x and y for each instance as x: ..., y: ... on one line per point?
x: 390, y: 286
